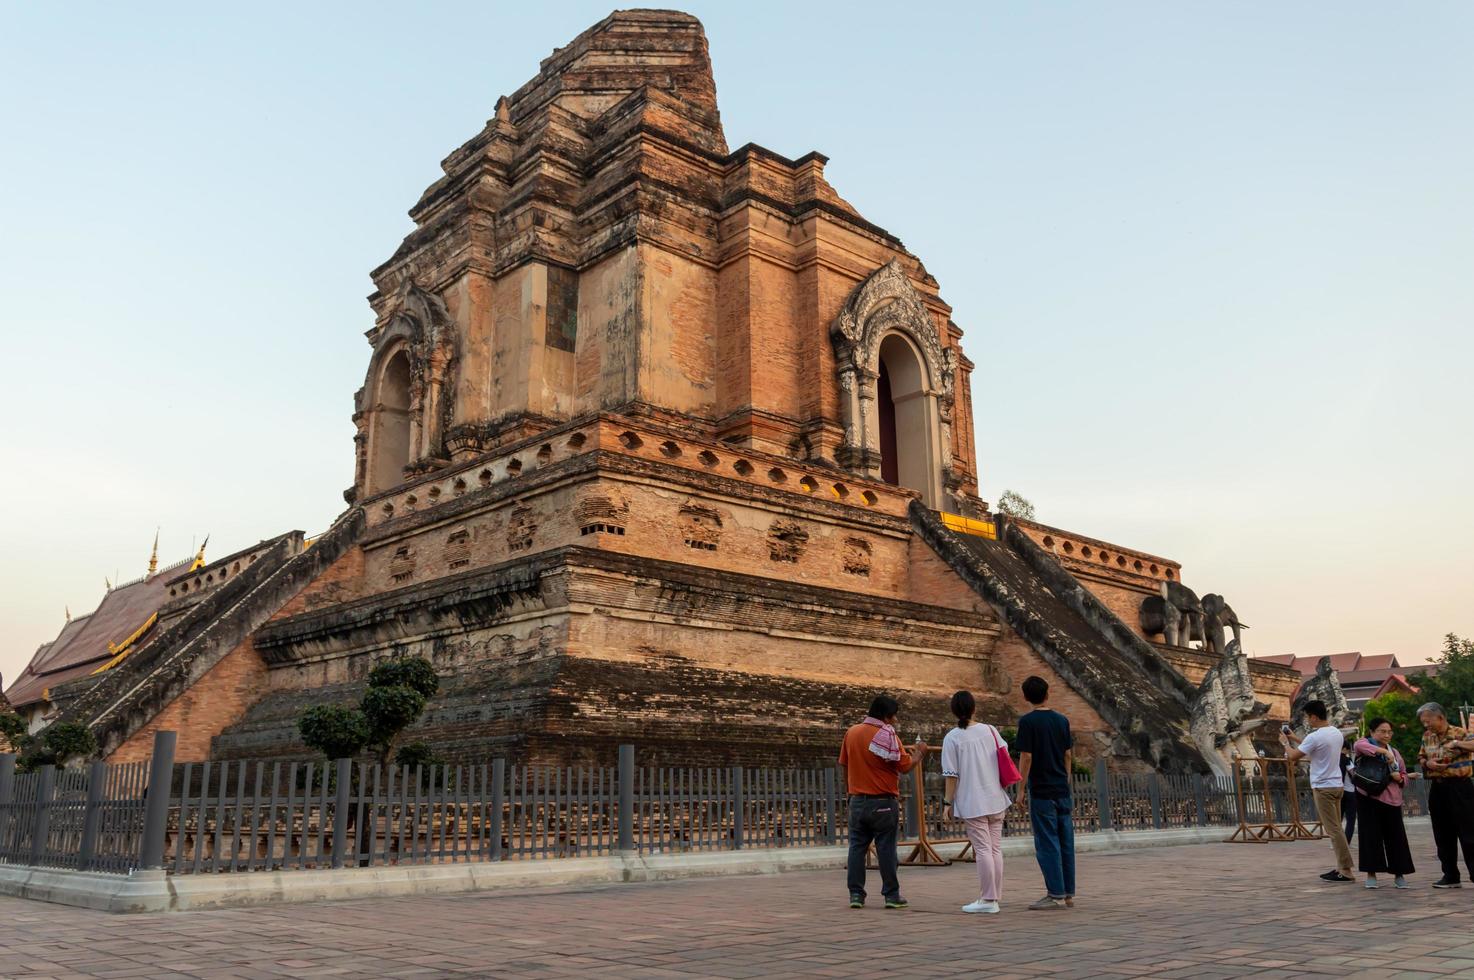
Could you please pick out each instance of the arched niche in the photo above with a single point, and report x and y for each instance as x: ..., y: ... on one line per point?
x: 907, y: 415
x: 390, y: 423
x: 407, y: 399
x: 898, y: 430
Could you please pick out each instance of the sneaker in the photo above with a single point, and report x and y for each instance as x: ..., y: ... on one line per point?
x: 1446, y: 883
x: 1399, y: 882
x: 897, y: 903
x: 857, y: 901
x: 1335, y: 876
x: 1373, y: 883
x: 1047, y: 902
x: 981, y: 907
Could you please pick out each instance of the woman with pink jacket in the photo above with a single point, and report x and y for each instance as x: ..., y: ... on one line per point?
x: 1383, y: 845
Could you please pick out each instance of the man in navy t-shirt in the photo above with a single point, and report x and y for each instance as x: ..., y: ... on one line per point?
x: 1045, y: 758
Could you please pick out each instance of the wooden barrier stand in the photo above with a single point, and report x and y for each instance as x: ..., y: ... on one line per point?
x: 1269, y: 829
x: 922, y: 853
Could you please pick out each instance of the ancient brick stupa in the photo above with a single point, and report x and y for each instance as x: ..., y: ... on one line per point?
x: 661, y: 442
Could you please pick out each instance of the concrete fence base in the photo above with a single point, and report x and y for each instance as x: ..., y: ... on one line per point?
x: 155, y: 891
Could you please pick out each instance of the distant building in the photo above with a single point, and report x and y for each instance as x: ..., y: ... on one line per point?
x: 1363, y: 676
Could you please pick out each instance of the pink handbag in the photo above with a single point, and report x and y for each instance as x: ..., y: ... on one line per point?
x: 1008, y: 773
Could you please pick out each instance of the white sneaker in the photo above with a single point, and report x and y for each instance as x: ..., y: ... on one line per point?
x: 980, y: 906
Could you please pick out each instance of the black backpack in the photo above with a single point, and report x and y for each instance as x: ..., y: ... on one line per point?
x: 1370, y: 774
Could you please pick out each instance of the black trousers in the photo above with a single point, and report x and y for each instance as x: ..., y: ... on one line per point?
x: 1451, y: 809
x: 874, y: 819
x: 1348, y: 812
x: 1383, y: 846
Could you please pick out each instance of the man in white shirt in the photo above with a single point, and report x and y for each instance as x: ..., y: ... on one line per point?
x: 1323, y: 748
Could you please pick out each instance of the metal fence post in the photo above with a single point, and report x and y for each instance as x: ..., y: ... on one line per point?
x: 96, y: 779
x: 498, y: 801
x: 7, y: 776
x: 40, y: 828
x: 915, y: 808
x: 739, y: 806
x: 1154, y: 791
x: 341, y: 806
x: 1103, y: 794
x: 831, y: 806
x: 1200, y: 795
x: 626, y: 797
x: 8, y: 815
x: 156, y: 806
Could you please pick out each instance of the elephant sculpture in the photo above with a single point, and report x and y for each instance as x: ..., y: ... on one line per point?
x: 1217, y: 614
x: 1177, y: 614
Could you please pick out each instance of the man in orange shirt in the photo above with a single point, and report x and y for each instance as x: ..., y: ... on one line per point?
x: 873, y: 759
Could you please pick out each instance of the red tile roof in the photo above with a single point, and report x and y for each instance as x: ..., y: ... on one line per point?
x: 1344, y: 663
x: 82, y: 645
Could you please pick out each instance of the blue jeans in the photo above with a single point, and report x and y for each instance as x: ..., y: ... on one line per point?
x: 1054, y: 843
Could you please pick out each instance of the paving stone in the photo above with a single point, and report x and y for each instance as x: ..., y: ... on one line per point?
x: 1200, y: 912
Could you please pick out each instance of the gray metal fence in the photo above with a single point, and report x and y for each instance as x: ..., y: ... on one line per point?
x: 221, y: 817
x: 85, y: 819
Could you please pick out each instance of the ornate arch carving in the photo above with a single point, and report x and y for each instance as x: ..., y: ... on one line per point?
x: 886, y: 303
x: 418, y: 324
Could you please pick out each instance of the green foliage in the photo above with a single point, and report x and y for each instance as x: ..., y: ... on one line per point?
x: 53, y: 747
x: 414, y: 673
x: 13, y: 731
x: 335, y: 730
x: 420, y: 757
x: 397, y: 692
x: 1453, y: 685
x: 1402, y: 710
x: 1015, y: 504
x: 390, y: 710
x: 417, y: 754
x: 69, y: 740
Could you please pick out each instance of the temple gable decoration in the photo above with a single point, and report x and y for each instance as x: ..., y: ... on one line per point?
x: 897, y: 386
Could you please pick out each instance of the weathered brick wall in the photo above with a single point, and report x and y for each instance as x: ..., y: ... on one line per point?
x: 215, y: 701
x: 339, y: 582
x: 1121, y: 597
x: 931, y: 580
x: 665, y: 512
x: 1016, y: 662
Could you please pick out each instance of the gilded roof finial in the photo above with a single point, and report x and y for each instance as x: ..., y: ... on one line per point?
x: 199, y: 558
x: 106, y: 583
x: 153, y: 559
x: 69, y: 613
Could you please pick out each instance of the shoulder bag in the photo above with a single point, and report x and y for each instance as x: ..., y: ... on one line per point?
x: 1370, y: 774
x: 1008, y: 773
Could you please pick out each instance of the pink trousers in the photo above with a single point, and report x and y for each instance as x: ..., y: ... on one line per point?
x: 986, y: 834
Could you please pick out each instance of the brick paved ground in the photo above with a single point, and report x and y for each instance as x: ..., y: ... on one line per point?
x: 1227, y: 910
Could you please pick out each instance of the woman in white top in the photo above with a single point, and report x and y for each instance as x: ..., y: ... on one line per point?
x: 975, y: 795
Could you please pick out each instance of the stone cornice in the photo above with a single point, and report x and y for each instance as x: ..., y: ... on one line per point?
x: 745, y: 601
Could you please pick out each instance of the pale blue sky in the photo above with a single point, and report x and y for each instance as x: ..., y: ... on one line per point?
x: 1215, y: 263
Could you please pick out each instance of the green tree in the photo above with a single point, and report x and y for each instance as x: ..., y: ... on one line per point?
x: 1402, y: 710
x: 1015, y: 504
x: 335, y: 730
x: 1453, y: 685
x: 420, y: 755
x: 414, y: 673
x: 397, y: 692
